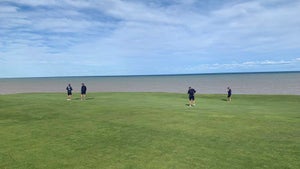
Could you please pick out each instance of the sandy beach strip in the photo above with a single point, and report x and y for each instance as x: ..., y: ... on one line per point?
x: 287, y: 84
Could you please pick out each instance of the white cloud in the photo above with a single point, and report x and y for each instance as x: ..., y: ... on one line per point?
x: 238, y: 10
x: 124, y: 32
x: 7, y: 9
x: 63, y: 25
x: 36, y: 3
x: 227, y: 27
x: 248, y: 65
x: 257, y: 26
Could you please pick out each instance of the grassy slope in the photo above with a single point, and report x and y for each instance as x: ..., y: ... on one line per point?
x: 149, y: 130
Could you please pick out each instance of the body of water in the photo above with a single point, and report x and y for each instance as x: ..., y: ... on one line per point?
x: 240, y: 83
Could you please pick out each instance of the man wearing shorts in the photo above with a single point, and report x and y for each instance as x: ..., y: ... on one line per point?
x: 191, y: 92
x: 83, y: 91
x: 69, y: 91
x: 228, y: 94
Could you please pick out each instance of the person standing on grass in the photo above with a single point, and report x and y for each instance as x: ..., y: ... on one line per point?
x: 83, y: 91
x: 69, y: 91
x: 228, y: 94
x: 191, y: 93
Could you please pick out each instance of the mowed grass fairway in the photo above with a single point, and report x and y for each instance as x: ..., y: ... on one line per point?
x: 148, y: 131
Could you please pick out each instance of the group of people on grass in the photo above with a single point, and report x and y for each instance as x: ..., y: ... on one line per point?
x: 191, y: 92
x: 82, y: 93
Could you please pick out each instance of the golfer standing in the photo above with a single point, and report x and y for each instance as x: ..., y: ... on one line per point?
x: 191, y: 92
x: 69, y: 91
x: 83, y: 91
x: 228, y: 94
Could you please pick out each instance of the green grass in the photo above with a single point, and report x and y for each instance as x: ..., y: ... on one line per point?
x: 149, y: 131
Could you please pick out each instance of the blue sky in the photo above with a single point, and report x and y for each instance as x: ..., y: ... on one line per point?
x: 41, y: 38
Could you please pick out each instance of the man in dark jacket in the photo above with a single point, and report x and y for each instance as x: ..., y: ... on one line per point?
x: 229, y: 94
x: 69, y: 91
x: 83, y: 91
x: 191, y: 93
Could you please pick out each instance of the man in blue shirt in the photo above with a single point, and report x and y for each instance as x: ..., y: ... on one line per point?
x: 191, y: 93
x: 228, y: 94
x: 69, y: 91
x: 83, y: 91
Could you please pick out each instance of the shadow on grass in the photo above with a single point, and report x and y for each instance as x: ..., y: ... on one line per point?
x: 188, y: 105
x: 89, y: 98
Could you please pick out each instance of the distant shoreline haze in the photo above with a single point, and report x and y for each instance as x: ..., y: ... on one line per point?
x: 283, y: 83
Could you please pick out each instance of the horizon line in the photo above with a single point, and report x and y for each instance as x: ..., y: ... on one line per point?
x: 183, y: 74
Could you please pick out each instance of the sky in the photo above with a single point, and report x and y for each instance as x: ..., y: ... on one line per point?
x: 45, y: 38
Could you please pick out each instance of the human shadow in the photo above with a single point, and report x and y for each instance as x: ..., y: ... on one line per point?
x: 88, y: 98
x: 188, y: 105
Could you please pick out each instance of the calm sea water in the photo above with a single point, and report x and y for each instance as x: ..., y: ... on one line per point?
x: 241, y: 83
